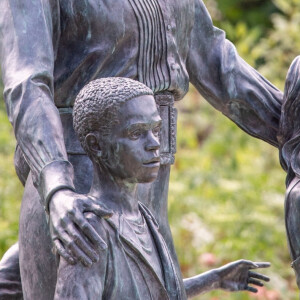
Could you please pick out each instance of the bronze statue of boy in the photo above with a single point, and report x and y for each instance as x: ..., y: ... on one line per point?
x: 49, y: 49
x: 118, y: 125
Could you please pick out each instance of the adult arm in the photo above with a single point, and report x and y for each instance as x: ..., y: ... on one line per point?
x: 228, y: 83
x: 235, y: 276
x: 29, y: 35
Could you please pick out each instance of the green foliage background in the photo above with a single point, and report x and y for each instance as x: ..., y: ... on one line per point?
x: 227, y: 189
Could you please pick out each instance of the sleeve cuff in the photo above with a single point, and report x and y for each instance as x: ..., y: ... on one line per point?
x: 55, y: 176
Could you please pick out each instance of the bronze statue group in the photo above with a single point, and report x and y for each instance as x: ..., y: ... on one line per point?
x: 93, y: 221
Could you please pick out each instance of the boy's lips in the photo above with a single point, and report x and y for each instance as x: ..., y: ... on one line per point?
x: 153, y: 162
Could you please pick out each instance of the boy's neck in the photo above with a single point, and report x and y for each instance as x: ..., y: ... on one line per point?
x: 116, y: 194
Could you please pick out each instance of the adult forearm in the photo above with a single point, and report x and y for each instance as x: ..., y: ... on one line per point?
x: 39, y: 133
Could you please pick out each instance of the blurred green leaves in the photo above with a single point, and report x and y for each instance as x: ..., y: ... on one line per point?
x: 282, y: 44
x: 226, y: 198
x: 10, y: 188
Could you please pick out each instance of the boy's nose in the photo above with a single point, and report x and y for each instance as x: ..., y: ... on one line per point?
x: 152, y: 142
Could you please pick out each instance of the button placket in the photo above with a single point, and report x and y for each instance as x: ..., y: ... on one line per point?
x: 175, y: 67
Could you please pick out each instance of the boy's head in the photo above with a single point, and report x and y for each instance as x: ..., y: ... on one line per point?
x: 118, y: 124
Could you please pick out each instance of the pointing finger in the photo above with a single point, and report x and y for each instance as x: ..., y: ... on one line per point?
x: 261, y: 265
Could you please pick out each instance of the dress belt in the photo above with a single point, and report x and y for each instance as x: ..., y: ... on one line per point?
x: 165, y: 104
x: 168, y: 113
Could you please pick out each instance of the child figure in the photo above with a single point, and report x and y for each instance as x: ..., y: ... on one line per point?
x: 118, y: 125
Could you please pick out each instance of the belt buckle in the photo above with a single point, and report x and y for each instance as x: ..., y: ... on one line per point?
x: 168, y: 113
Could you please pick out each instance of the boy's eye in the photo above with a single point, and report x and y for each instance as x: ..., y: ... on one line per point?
x: 156, y: 131
x: 135, y: 134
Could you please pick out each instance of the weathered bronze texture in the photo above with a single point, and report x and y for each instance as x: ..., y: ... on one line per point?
x: 289, y: 138
x: 50, y: 49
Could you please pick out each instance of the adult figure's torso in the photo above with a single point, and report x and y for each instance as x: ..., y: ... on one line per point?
x: 147, y: 40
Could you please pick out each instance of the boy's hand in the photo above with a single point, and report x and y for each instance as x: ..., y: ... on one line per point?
x: 237, y: 276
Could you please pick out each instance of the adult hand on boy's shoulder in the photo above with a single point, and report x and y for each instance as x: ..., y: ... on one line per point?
x: 73, y: 236
x: 237, y: 276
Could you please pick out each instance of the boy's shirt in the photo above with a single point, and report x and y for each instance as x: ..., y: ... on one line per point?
x: 124, y: 270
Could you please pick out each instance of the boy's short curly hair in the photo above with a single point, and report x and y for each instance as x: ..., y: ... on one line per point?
x: 97, y: 105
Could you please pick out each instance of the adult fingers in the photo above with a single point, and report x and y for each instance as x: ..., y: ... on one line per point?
x: 97, y: 209
x: 63, y: 252
x: 89, y: 231
x: 76, y: 251
x: 258, y: 276
x: 83, y: 244
x: 255, y: 282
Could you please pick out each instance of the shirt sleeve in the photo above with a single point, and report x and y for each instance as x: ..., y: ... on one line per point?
x: 228, y: 83
x: 29, y: 32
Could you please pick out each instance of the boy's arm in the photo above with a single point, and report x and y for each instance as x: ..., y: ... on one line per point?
x: 80, y: 282
x: 228, y: 83
x: 201, y: 284
x: 232, y: 277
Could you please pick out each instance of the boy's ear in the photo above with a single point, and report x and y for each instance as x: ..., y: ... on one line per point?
x: 92, y: 144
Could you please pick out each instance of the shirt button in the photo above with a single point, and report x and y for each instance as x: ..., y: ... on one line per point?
x: 174, y: 67
x: 169, y: 27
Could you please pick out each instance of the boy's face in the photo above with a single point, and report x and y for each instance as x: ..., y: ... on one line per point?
x: 134, y: 143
